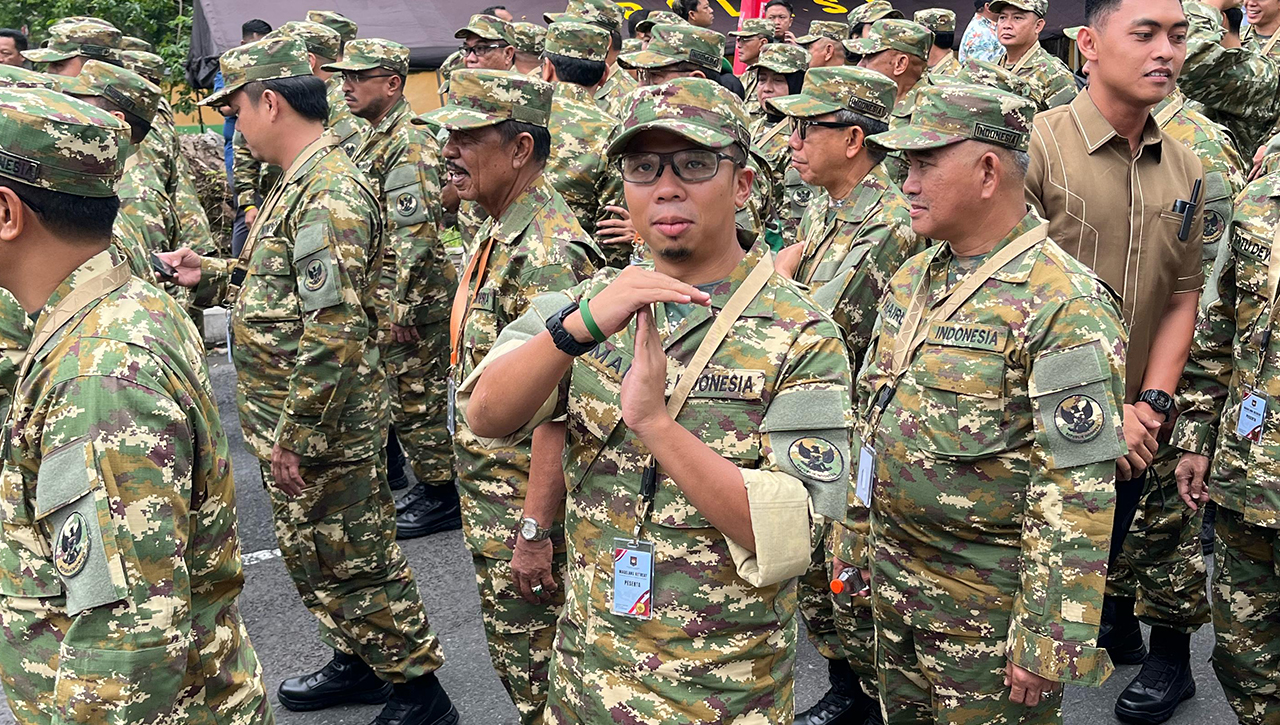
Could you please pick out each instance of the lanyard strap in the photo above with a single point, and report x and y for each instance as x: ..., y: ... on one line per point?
x: 241, y: 268
x: 728, y: 317
x: 915, y: 326
x: 1271, y: 43
x: 1273, y: 296
x: 465, y: 295
x: 68, y: 307
x: 1165, y: 116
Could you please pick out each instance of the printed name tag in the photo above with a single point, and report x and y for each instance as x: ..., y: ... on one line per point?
x: 1253, y: 411
x: 866, y: 475
x: 633, y: 578
x: 729, y: 384
x: 977, y: 337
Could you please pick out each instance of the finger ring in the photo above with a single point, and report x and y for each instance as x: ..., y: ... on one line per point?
x: 1046, y: 694
x: 537, y: 588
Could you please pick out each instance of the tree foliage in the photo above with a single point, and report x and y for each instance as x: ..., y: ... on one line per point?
x: 166, y: 24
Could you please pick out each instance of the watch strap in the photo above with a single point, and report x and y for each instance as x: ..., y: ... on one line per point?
x: 564, y: 341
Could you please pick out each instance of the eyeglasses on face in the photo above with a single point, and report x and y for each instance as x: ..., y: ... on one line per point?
x: 693, y: 165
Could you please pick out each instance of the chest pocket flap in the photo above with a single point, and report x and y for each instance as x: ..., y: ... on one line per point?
x: 73, y: 506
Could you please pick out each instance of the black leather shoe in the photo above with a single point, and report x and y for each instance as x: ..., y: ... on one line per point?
x: 1120, y: 634
x: 407, y: 500
x: 844, y: 704
x: 345, y: 680
x: 399, y: 483
x: 419, y: 702
x: 1164, y: 682
x: 436, y: 510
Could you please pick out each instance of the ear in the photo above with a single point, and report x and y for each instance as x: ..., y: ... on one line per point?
x: 991, y: 168
x: 509, y: 53
x: 395, y: 84
x: 742, y: 181
x: 699, y: 74
x: 13, y: 215
x: 548, y: 71
x: 1039, y: 26
x: 857, y: 142
x: 1087, y: 42
x: 314, y: 60
x: 272, y: 103
x: 901, y: 64
x: 523, y: 152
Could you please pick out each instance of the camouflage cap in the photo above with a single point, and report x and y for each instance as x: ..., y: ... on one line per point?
x: 872, y: 11
x: 83, y: 19
x: 1072, y: 32
x: 696, y: 109
x: 577, y: 40
x: 89, y: 38
x: 605, y: 13
x: 529, y: 37
x: 939, y: 20
x: 840, y: 88
x: 753, y: 27
x: 148, y: 65
x: 261, y: 60
x: 129, y: 42
x: 783, y: 58
x: 487, y: 27
x: 479, y: 98
x: 12, y: 76
x: 454, y: 62
x: 632, y: 45
x: 981, y: 73
x: 370, y: 53
x: 833, y: 29
x: 56, y: 142
x: 1039, y: 7
x: 319, y: 39
x: 659, y: 17
x: 893, y: 34
x: 128, y: 90
x: 345, y: 26
x: 673, y: 44
x: 948, y: 114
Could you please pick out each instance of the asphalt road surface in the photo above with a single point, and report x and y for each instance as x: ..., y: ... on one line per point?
x: 284, y: 632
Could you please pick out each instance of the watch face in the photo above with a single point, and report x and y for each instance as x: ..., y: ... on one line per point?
x: 528, y: 529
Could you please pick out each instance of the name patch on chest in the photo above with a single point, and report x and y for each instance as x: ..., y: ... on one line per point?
x: 1253, y: 248
x: 977, y: 337
x: 484, y: 299
x: 729, y: 384
x: 607, y: 357
x: 892, y: 312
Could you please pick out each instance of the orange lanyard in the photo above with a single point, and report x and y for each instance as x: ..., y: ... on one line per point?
x: 465, y: 296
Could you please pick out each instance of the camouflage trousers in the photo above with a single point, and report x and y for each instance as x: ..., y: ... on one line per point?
x: 338, y: 540
x: 418, y: 378
x: 934, y: 677
x: 1162, y: 566
x: 521, y: 635
x: 1246, y: 617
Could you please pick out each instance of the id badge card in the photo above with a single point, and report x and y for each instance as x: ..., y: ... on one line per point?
x: 633, y: 579
x: 452, y: 405
x: 1253, y: 413
x: 866, y: 474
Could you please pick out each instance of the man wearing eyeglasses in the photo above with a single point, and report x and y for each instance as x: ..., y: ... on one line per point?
x: 899, y: 49
x: 682, y: 566
x: 851, y: 241
x: 417, y: 279
x: 531, y: 244
x: 487, y: 42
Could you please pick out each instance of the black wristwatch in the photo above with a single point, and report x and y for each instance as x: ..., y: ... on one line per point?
x: 1160, y: 401
x: 566, y: 342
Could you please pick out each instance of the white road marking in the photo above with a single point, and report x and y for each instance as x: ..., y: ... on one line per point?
x: 254, y: 557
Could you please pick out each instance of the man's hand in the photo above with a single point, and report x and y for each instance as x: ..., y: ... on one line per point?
x: 635, y: 288
x: 250, y: 216
x: 1025, y: 687
x: 644, y: 400
x: 404, y: 334
x: 1190, y: 475
x: 1258, y: 157
x: 284, y: 471
x: 186, y: 266
x: 616, y: 231
x: 530, y: 567
x: 787, y: 261
x: 1140, y: 428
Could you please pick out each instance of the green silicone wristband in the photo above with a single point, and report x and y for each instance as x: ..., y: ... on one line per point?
x: 590, y: 322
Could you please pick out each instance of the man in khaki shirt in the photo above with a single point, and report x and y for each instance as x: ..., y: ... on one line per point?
x: 1087, y: 158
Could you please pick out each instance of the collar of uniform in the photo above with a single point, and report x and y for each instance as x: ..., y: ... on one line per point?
x: 865, y: 196
x: 1017, y: 270
x: 1027, y: 59
x: 611, y: 79
x: 98, y: 264
x: 574, y: 92
x: 761, y: 306
x: 394, y: 116
x: 1097, y: 130
x: 308, y: 157
x: 520, y: 214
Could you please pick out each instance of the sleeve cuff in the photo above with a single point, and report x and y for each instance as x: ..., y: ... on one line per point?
x: 245, y: 199
x: 463, y: 398
x: 1072, y: 663
x: 1194, y: 436
x: 306, y: 442
x: 412, y: 315
x: 850, y: 546
x: 215, y: 273
x: 780, y: 521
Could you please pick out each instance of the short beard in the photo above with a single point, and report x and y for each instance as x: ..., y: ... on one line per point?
x: 676, y: 254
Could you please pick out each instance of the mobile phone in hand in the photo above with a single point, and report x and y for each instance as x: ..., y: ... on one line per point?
x: 163, y: 269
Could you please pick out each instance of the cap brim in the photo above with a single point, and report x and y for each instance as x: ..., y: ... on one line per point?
x: 219, y: 97
x: 744, y: 34
x: 776, y: 67
x: 458, y: 119
x: 999, y: 5
x: 47, y: 55
x: 907, y: 138
x: 644, y: 59
x: 478, y: 32
x: 550, y: 18
x: 347, y: 65
x: 801, y: 106
x: 709, y: 137
x: 864, y: 46
x: 807, y: 39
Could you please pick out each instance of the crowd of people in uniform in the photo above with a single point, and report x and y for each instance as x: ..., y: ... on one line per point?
x: 944, y: 354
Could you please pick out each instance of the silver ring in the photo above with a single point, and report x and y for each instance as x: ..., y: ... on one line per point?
x: 537, y: 588
x: 1047, y: 694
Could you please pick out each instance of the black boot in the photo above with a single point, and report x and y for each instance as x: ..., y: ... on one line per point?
x: 844, y: 704
x: 346, y: 679
x: 436, y: 510
x: 1206, y: 530
x: 396, y: 476
x: 421, y: 701
x: 1164, y: 682
x: 1120, y: 634
x: 418, y: 491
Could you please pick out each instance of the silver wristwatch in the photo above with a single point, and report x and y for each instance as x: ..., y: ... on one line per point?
x: 531, y: 531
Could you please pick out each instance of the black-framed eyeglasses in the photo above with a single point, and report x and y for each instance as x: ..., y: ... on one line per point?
x: 802, y: 125
x: 692, y: 165
x: 480, y: 50
x: 361, y: 77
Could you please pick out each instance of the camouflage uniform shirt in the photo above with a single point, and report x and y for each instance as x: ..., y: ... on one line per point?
x: 579, y: 168
x: 791, y: 196
x: 15, y: 336
x: 1046, y: 71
